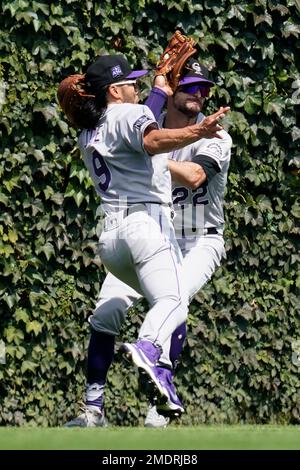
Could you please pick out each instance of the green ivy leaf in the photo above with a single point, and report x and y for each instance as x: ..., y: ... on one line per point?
x: 295, y: 210
x: 274, y: 105
x: 34, y: 326
x: 252, y: 103
x: 28, y: 365
x: 21, y: 315
x: 13, y: 334
x: 290, y: 29
x: 47, y: 249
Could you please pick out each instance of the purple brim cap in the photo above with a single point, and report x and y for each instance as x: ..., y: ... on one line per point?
x: 137, y: 73
x: 190, y: 80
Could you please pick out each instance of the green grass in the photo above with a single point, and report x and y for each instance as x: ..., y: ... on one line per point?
x: 243, y: 437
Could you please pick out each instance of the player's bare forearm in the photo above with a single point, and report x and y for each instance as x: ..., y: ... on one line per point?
x: 189, y: 174
x: 167, y: 140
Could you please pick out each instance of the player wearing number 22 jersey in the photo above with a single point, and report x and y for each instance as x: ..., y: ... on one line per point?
x: 210, y: 195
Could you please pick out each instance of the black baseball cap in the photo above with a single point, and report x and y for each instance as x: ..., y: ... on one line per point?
x: 108, y: 69
x: 194, y: 72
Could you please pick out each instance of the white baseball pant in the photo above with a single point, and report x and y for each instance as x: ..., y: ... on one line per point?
x: 201, y: 257
x: 141, y: 250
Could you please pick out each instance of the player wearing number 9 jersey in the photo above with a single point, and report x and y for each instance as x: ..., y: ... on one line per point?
x: 123, y: 173
x: 119, y: 143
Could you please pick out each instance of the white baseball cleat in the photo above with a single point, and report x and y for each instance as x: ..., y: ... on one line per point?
x: 155, y: 420
x: 91, y: 417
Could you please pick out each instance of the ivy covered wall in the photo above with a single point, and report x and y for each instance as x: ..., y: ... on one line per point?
x: 240, y: 363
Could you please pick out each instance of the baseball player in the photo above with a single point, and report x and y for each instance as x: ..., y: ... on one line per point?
x: 120, y: 144
x: 199, y: 176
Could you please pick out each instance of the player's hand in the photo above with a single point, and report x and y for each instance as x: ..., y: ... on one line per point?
x: 161, y: 82
x: 210, y: 126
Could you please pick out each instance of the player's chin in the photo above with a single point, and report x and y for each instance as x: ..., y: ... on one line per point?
x: 193, y: 107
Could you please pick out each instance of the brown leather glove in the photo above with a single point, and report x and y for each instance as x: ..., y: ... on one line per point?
x: 174, y: 57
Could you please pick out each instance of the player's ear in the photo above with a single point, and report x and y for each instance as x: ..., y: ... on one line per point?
x: 113, y: 92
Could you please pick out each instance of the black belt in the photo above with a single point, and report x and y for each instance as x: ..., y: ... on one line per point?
x: 212, y: 231
x: 142, y: 207
x: 206, y: 231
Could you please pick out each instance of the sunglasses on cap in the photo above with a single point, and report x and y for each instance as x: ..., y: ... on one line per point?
x: 192, y: 89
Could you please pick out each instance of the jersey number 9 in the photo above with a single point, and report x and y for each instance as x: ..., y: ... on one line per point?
x: 101, y: 170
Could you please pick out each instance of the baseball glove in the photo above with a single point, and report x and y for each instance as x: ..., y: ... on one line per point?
x: 174, y: 57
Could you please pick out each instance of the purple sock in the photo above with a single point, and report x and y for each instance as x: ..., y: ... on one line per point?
x: 177, y: 341
x: 100, y: 356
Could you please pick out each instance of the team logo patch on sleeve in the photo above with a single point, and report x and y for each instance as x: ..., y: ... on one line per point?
x: 141, y: 120
x: 215, y: 149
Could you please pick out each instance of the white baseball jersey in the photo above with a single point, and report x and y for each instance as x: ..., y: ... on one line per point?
x: 122, y: 171
x: 134, y: 246
x: 203, y: 207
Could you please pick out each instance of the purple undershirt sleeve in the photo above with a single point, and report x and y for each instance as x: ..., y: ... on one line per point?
x: 156, y: 101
